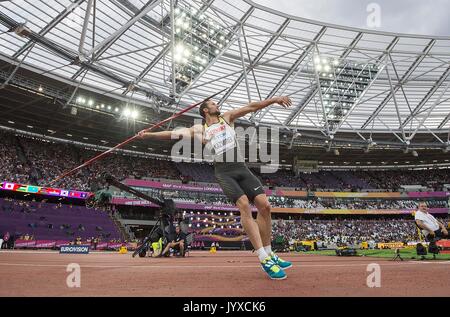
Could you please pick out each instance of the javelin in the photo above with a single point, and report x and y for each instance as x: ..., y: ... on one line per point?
x: 96, y: 158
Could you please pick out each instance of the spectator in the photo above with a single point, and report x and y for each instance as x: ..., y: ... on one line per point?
x: 6, y: 240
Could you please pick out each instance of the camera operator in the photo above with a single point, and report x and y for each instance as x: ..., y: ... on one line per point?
x: 178, y: 243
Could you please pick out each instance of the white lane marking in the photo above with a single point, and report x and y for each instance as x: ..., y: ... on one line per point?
x: 209, y: 266
x: 128, y: 266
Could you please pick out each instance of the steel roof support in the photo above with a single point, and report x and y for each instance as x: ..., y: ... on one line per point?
x: 106, y: 46
x: 145, y: 9
x: 260, y: 55
x: 428, y: 96
x: 446, y: 120
x: 291, y: 71
x: 429, y: 113
x: 405, y: 77
x: 397, y: 111
x: 51, y: 25
x: 85, y: 26
x: 72, y: 56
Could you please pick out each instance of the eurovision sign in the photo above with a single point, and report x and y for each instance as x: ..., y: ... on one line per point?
x: 74, y: 249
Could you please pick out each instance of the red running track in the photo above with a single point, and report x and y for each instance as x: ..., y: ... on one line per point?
x: 224, y: 274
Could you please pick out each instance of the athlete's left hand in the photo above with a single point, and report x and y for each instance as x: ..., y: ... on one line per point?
x: 286, y: 102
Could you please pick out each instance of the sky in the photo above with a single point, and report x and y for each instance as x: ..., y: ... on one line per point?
x: 426, y: 17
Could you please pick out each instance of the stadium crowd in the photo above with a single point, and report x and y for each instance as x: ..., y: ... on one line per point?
x: 12, y: 168
x: 346, y: 232
x: 287, y: 202
x: 335, y: 203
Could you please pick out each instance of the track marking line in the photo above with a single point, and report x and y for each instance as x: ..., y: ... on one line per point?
x: 206, y: 266
x: 129, y: 266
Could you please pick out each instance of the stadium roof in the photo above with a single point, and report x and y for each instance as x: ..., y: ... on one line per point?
x: 125, y: 51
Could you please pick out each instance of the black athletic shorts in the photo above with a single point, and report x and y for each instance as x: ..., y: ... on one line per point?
x: 237, y: 180
x: 438, y: 235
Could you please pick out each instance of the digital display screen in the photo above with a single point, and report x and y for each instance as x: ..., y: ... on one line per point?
x: 49, y: 191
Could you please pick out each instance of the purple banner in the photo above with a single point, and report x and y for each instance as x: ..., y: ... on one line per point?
x: 49, y: 244
x: 45, y: 244
x: 24, y: 244
x: 438, y: 210
x: 60, y: 243
x: 102, y: 246
x: 177, y: 186
x: 428, y: 194
x: 190, y: 206
x: 172, y: 186
x: 114, y: 245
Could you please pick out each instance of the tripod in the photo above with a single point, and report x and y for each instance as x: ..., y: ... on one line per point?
x: 167, y: 210
x: 397, y: 255
x: 153, y: 236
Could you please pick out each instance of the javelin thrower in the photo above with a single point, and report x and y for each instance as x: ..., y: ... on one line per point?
x: 236, y: 180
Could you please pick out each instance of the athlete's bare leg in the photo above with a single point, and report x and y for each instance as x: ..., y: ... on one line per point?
x: 248, y: 223
x: 264, y: 219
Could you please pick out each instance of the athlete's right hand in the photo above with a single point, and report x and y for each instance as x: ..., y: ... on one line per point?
x: 141, y: 134
x: 286, y: 102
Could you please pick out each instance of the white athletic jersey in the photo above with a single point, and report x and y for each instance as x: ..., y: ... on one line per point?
x: 221, y: 138
x: 428, y: 219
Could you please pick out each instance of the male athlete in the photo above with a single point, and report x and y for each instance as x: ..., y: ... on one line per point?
x: 237, y: 181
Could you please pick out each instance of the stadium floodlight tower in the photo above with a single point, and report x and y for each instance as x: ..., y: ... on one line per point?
x: 198, y: 41
x: 342, y: 83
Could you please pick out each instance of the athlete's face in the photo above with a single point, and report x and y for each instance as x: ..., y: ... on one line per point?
x: 213, y: 108
x: 423, y: 207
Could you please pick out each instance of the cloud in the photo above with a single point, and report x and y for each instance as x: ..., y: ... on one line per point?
x: 428, y: 17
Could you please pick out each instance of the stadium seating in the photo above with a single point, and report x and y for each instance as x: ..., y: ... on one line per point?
x: 21, y: 218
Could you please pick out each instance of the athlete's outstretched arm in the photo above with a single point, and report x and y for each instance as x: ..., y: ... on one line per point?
x: 422, y: 225
x: 170, y: 135
x: 443, y: 227
x: 256, y: 106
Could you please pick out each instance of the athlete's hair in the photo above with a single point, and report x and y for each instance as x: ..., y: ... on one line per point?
x: 204, y: 106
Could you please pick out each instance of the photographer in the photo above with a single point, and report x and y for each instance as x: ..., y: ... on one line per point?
x: 432, y: 229
x: 178, y: 243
